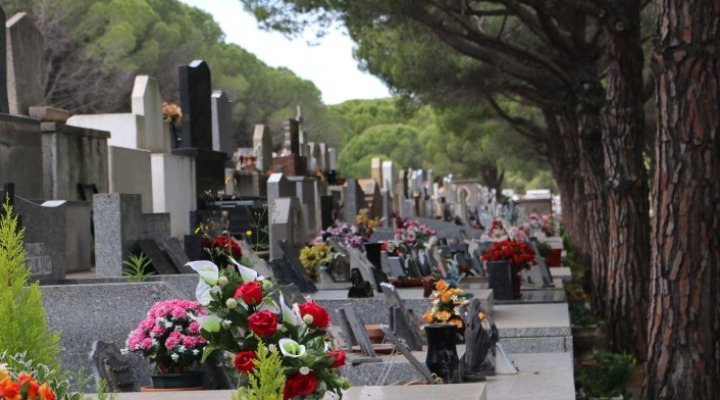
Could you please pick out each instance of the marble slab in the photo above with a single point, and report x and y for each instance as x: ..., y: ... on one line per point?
x: 543, y: 376
x: 375, y: 310
x: 469, y: 391
x: 538, y: 295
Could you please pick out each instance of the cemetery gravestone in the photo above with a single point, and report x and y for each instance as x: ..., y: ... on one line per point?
x: 112, y: 367
x: 222, y: 124
x: 367, y: 270
x: 292, y: 136
x: 147, y: 102
x: 46, y: 238
x: 25, y: 64
x: 402, y: 322
x: 331, y: 159
x: 286, y: 223
x: 376, y: 170
x: 195, y: 92
x: 262, y: 145
x: 355, y: 333
x: 159, y: 260
x: 325, y: 160
x: 298, y: 274
x: 354, y: 200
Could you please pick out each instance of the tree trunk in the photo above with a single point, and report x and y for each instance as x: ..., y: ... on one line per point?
x: 627, y: 201
x: 591, y: 166
x: 684, y: 344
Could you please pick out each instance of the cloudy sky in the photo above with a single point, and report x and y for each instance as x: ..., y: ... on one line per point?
x: 329, y: 64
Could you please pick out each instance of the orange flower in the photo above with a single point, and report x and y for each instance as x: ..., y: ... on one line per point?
x: 9, y: 390
x: 32, y: 386
x: 457, y: 321
x: 443, y: 316
x: 441, y: 285
x: 482, y: 316
x: 46, y: 393
x: 446, y: 296
x: 428, y: 317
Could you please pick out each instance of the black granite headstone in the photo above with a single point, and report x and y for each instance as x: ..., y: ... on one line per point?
x: 327, y: 211
x: 4, y: 107
x: 195, y: 92
x: 300, y: 277
x: 112, y: 367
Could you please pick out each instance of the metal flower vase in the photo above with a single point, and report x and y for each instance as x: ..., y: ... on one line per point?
x: 442, y: 358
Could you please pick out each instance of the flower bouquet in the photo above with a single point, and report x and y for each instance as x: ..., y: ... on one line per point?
x: 245, y: 310
x: 221, y: 248
x: 410, y: 234
x: 169, y: 336
x: 446, y: 303
x: 315, y: 256
x: 518, y: 254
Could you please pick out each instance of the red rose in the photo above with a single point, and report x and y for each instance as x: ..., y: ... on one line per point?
x: 299, y: 385
x: 250, y: 292
x: 339, y: 358
x: 245, y: 361
x: 321, y: 318
x: 263, y: 323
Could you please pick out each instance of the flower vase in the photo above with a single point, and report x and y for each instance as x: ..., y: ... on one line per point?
x: 442, y: 358
x: 501, y: 280
x: 183, y: 380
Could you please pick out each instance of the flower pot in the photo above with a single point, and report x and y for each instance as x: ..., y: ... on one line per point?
x: 188, y: 379
x: 442, y: 358
x: 553, y: 260
x: 500, y: 279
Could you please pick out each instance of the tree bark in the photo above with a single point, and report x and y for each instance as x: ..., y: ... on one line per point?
x: 628, y: 267
x: 591, y: 166
x: 684, y: 344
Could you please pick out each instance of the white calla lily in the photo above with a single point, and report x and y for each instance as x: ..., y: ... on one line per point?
x: 202, y: 293
x: 290, y: 315
x: 291, y: 348
x: 247, y: 274
x: 211, y: 323
x: 207, y: 270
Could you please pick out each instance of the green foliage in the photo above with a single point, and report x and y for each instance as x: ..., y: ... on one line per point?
x: 608, y: 376
x: 22, y: 316
x: 582, y: 315
x: 21, y: 363
x: 267, y: 380
x: 399, y: 143
x: 104, y: 392
x: 137, y: 267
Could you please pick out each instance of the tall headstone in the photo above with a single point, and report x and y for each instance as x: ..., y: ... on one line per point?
x: 147, y: 101
x: 387, y: 210
x: 262, y: 143
x: 278, y: 186
x: 196, y: 137
x: 286, y: 223
x: 461, y: 207
x: 354, y: 200
x: 25, y: 64
x: 388, y: 175
x: 305, y: 192
x: 195, y: 91
x: 222, y: 126
x: 4, y: 108
x: 325, y: 158
x: 332, y: 159
x: 376, y: 170
x: 291, y: 130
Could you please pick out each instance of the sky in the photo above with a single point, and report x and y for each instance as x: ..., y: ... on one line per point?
x: 329, y: 64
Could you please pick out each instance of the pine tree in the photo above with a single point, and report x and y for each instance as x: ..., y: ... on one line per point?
x: 23, y: 327
x: 267, y: 380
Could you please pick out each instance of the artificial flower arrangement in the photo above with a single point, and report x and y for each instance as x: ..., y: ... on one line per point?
x: 354, y: 236
x: 244, y: 309
x: 446, y: 303
x: 220, y: 247
x: 410, y: 234
x: 170, y: 335
x: 518, y: 254
x: 22, y: 387
x: 497, y: 230
x: 315, y: 256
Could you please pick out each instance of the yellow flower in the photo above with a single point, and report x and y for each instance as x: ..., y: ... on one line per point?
x: 248, y: 232
x: 428, y: 317
x: 441, y: 285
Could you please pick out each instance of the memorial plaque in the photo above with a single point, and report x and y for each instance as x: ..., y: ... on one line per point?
x: 159, y: 260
